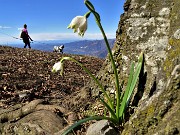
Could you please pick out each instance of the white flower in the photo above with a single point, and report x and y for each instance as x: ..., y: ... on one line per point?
x: 79, y: 24
x: 58, y: 66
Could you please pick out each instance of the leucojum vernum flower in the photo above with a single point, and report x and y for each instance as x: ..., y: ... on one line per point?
x: 79, y: 24
x: 118, y: 104
x: 57, y: 66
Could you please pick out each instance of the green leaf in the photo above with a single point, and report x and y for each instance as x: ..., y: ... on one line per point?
x: 133, y: 77
x: 127, y: 90
x: 109, y: 109
x: 136, y: 75
x: 89, y: 5
x: 134, y: 81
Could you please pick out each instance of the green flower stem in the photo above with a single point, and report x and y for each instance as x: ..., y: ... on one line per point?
x: 91, y: 75
x: 87, y: 14
x: 111, y: 57
x: 114, y: 68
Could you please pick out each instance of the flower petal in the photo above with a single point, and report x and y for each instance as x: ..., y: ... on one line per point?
x: 79, y: 24
x: 57, y: 66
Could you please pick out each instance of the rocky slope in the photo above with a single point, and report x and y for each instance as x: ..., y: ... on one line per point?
x: 30, y: 93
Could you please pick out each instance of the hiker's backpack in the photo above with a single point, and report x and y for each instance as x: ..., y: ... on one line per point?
x: 23, y: 34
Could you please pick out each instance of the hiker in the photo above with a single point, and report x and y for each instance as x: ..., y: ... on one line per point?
x: 25, y: 36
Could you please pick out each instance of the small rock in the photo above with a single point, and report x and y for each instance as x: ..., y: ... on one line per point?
x: 102, y: 127
x: 4, y: 76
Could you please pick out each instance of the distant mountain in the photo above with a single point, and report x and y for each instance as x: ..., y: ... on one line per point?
x: 88, y: 47
x: 95, y: 48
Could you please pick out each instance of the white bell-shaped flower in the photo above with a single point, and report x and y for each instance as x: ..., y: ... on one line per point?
x: 58, y: 66
x: 79, y: 24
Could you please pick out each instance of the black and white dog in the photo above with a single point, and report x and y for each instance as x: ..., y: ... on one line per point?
x: 58, y: 49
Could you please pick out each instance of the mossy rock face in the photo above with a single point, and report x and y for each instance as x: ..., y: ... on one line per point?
x: 152, y: 27
x: 161, y: 113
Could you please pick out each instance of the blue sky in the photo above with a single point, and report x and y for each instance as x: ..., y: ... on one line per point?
x: 48, y: 19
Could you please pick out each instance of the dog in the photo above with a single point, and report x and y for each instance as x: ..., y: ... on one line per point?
x: 58, y: 49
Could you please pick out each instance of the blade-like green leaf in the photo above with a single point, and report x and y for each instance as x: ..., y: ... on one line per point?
x: 89, y: 5
x: 135, y: 76
x: 131, y: 85
x: 109, y: 109
x: 122, y: 93
x: 126, y: 93
x: 134, y: 81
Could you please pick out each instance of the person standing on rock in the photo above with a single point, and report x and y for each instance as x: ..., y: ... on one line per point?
x: 25, y: 36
